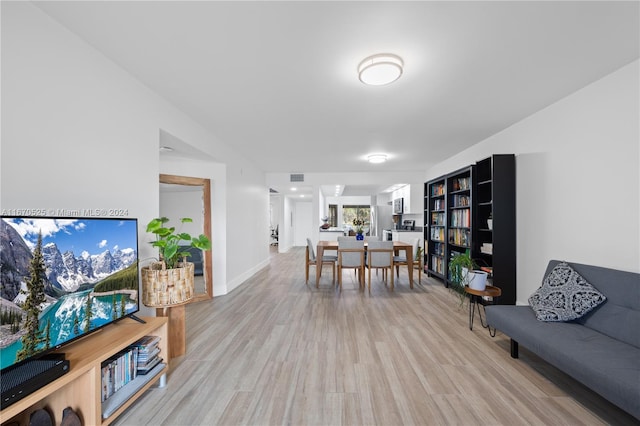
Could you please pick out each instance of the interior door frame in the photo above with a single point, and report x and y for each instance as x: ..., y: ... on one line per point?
x: 206, y: 198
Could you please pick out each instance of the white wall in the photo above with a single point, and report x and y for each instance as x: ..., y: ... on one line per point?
x: 79, y: 132
x: 316, y: 179
x: 216, y: 173
x: 302, y: 215
x: 285, y: 241
x: 578, y: 183
x: 175, y: 205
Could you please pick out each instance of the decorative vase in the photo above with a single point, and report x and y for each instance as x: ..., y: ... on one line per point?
x: 490, y: 224
x: 359, y: 236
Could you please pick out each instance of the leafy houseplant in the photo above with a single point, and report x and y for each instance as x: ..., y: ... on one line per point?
x: 168, y: 241
x: 459, y: 267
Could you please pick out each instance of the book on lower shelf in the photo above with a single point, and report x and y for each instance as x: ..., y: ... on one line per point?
x: 148, y: 353
x: 119, y: 398
x: 120, y: 369
x: 149, y: 365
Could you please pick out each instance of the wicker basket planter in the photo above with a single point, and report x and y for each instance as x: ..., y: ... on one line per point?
x: 166, y: 287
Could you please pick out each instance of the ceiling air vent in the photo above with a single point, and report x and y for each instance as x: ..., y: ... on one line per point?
x: 297, y: 177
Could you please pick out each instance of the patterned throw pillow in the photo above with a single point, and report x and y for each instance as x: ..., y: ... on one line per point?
x: 564, y: 295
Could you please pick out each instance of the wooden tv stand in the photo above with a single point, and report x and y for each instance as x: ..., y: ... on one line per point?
x: 80, y: 388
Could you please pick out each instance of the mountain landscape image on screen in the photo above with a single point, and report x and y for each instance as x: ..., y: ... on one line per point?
x: 86, y: 276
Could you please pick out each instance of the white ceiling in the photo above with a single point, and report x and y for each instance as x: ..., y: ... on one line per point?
x: 277, y: 80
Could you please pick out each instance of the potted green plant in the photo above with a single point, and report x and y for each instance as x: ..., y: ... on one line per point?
x: 459, y: 267
x: 168, y: 241
x: 464, y: 272
x: 171, y: 280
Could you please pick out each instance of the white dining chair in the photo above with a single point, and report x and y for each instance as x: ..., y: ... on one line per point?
x: 401, y: 260
x: 312, y: 260
x: 351, y: 256
x: 380, y: 256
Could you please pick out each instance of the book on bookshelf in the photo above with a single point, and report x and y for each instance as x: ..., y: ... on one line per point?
x: 437, y: 218
x: 460, y: 184
x: 437, y: 264
x: 118, y: 370
x: 148, y: 353
x: 461, y: 218
x: 437, y: 234
x: 149, y: 366
x: 437, y: 189
x: 460, y: 237
x: 147, y: 341
x: 146, y: 358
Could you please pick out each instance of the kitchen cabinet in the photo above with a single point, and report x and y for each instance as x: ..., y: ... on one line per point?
x: 413, y: 198
x: 416, y: 199
x: 406, y: 236
x: 330, y: 235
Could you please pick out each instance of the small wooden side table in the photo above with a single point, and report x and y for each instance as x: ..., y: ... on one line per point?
x: 476, y: 300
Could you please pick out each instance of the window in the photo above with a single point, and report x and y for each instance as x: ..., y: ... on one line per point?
x: 349, y: 213
x: 333, y: 215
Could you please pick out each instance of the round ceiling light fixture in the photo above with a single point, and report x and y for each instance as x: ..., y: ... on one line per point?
x: 380, y: 69
x: 376, y: 158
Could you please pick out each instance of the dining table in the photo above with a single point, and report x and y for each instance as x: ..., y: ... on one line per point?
x: 397, y: 247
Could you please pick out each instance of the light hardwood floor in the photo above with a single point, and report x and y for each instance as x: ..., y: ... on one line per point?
x: 277, y: 351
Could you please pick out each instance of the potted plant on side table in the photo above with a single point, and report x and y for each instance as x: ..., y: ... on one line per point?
x: 464, y: 272
x: 170, y: 281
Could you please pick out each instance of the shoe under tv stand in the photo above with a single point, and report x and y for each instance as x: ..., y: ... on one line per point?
x: 80, y: 388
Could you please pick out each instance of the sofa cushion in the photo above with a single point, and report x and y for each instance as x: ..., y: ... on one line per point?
x: 564, y: 295
x: 619, y: 315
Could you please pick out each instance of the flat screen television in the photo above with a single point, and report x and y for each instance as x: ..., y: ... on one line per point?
x: 84, y: 278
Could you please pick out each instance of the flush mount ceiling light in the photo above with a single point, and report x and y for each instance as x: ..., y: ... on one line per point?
x: 376, y: 158
x: 380, y: 69
x: 166, y: 149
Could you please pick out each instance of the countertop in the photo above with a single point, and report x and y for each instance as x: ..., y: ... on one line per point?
x: 417, y: 229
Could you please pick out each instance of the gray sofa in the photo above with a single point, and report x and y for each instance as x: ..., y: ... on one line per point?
x: 600, y: 349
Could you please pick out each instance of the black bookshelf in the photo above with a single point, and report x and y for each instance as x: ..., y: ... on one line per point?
x: 495, y: 246
x: 435, y: 232
x: 460, y: 215
x: 456, y: 221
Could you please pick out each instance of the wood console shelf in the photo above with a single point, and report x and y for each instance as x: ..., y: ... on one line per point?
x: 80, y: 388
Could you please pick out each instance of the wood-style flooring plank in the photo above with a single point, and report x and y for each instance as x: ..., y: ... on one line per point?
x: 279, y: 351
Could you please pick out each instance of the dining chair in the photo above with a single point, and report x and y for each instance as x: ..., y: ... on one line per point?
x: 311, y: 260
x: 380, y: 256
x: 351, y: 256
x: 401, y: 260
